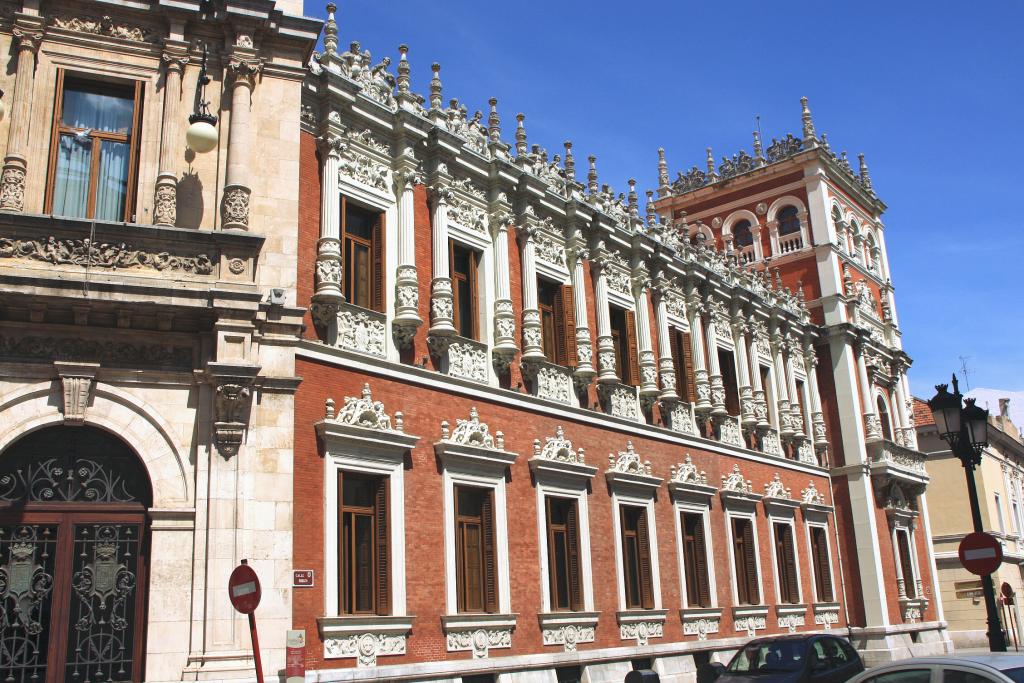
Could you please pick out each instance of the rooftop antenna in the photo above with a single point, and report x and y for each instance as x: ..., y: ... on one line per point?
x: 965, y: 370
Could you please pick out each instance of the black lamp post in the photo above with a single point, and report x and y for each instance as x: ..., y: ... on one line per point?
x: 965, y: 429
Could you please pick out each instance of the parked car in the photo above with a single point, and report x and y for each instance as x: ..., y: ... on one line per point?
x: 790, y: 659
x: 980, y: 668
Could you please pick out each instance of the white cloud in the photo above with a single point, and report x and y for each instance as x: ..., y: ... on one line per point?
x: 989, y: 398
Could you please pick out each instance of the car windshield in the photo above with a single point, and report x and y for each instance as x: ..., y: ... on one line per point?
x: 770, y: 657
x: 1016, y: 675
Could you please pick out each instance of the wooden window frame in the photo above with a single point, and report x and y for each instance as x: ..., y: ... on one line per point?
x: 643, y: 569
x: 375, y: 278
x: 488, y: 598
x: 682, y: 362
x: 132, y: 138
x: 821, y: 563
x: 472, y: 278
x: 562, y: 310
x: 626, y: 360
x: 907, y: 568
x: 381, y: 542
x: 574, y: 557
x: 787, y: 575
x: 745, y: 550
x: 697, y: 564
x: 730, y: 379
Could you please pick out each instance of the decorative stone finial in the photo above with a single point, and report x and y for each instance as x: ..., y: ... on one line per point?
x: 758, y: 151
x: 809, y: 138
x: 403, y: 69
x: 634, y: 205
x: 663, y: 179
x: 331, y: 30
x: 521, y: 146
x: 652, y: 215
x: 570, y: 163
x: 435, y: 87
x: 592, y: 186
x: 493, y: 121
x: 329, y: 409
x: 711, y: 164
x: 824, y: 142
x: 865, y: 177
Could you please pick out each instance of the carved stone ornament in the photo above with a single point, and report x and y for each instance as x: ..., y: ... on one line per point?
x: 751, y: 624
x: 558, y: 448
x: 776, y: 489
x: 621, y: 399
x: 554, y: 383
x: 232, y: 391
x: 363, y: 411
x: 641, y: 631
x: 734, y: 482
x: 687, y: 473
x: 234, y: 207
x: 568, y: 635
x: 467, y: 360
x: 791, y: 621
x: 365, y: 647
x: 805, y: 453
x: 12, y: 188
x: 700, y: 627
x: 107, y: 353
x: 550, y: 251
x: 467, y: 215
x: 84, y: 252
x: 361, y: 330
x: 480, y: 641
x: 472, y: 432
x: 360, y: 167
x: 729, y: 430
x: 826, y: 617
x: 105, y: 26
x: 628, y: 462
x: 811, y: 495
x: 681, y: 419
x: 770, y: 443
x: 77, y: 380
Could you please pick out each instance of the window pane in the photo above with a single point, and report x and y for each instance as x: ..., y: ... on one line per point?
x: 561, y: 560
x: 631, y: 558
x: 97, y: 107
x: 961, y: 676
x: 71, y: 183
x: 364, y: 563
x: 360, y: 275
x: 470, y: 502
x: 465, y: 298
x: 547, y: 330
x: 112, y: 180
x: 358, y: 492
x: 903, y: 676
x: 359, y: 222
x: 474, y: 567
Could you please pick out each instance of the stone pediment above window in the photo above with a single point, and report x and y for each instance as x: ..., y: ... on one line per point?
x: 626, y: 470
x: 471, y: 444
x: 778, y: 497
x: 736, y: 490
x: 557, y: 458
x: 811, y: 500
x: 362, y: 422
x: 686, y: 481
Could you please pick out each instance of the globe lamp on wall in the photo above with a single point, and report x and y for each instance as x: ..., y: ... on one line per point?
x: 202, y: 135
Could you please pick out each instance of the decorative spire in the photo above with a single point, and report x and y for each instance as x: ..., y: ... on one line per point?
x: 403, y: 69
x: 521, y: 146
x: 865, y: 177
x: 435, y: 87
x: 592, y: 186
x: 845, y: 161
x: 570, y: 163
x: 824, y: 143
x: 494, y: 121
x: 809, y: 138
x: 331, y: 30
x: 634, y: 205
x: 711, y: 164
x: 758, y: 151
x: 663, y: 180
x: 652, y: 215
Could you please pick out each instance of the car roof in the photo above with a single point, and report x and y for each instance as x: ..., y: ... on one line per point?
x: 793, y: 636
x: 1000, y: 661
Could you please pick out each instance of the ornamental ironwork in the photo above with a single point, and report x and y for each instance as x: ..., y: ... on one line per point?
x: 27, y: 566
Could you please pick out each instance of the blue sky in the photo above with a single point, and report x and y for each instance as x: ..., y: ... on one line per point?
x: 930, y: 93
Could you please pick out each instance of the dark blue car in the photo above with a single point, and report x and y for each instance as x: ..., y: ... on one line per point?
x: 789, y: 659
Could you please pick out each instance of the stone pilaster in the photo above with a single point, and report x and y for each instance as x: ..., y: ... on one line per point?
x: 715, y: 372
x: 28, y: 34
x: 605, y: 344
x: 760, y: 402
x: 666, y: 365
x: 702, y: 387
x: 243, y: 69
x: 165, y: 195
x: 505, y: 348
x: 817, y: 416
x: 407, y: 291
x: 327, y: 294
x: 441, y: 300
x: 872, y: 425
x: 792, y: 350
x: 648, y: 369
x: 584, y: 350
x: 533, y: 349
x: 781, y: 387
x: 748, y: 415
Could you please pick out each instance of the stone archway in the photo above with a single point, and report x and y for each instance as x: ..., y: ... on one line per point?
x: 73, y: 556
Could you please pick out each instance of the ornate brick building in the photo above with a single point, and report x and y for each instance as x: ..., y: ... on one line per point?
x: 549, y: 432
x: 147, y: 333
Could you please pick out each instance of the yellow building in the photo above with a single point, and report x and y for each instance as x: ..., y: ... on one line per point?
x: 999, y: 480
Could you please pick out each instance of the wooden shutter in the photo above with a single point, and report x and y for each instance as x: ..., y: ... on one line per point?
x: 643, y: 543
x: 750, y: 562
x: 691, y: 395
x: 629, y: 372
x: 573, y: 544
x: 377, y: 277
x: 474, y: 296
x: 560, y: 341
x: 567, y: 321
x: 490, y: 560
x: 700, y: 555
x: 903, y: 543
x: 382, y: 537
x: 822, y: 564
x: 792, y: 593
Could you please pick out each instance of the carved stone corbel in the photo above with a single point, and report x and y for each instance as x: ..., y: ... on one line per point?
x: 77, y: 380
x: 232, y: 394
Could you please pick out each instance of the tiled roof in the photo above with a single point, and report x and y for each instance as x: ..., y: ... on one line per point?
x: 922, y: 414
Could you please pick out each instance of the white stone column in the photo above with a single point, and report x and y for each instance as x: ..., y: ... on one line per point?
x: 648, y: 370
x: 748, y: 418
x: 760, y: 404
x: 781, y: 388
x: 407, y: 289
x: 702, y: 387
x: 441, y: 303
x: 666, y: 364
x: 605, y: 345
x: 165, y: 198
x: 328, y: 247
x: 27, y: 36
x: 795, y: 405
x: 872, y: 425
x: 533, y: 349
x: 584, y: 349
x: 715, y: 372
x: 908, y: 432
x: 234, y: 208
x: 504, y: 316
x: 817, y: 417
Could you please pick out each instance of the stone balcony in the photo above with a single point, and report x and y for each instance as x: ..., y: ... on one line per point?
x: 889, y: 460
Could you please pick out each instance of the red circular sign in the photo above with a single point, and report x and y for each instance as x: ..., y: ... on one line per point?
x: 244, y: 589
x: 980, y: 553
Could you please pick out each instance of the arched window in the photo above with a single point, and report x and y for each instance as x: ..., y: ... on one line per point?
x: 871, y: 252
x: 837, y: 216
x: 883, y: 417
x: 789, y: 222
x: 741, y: 234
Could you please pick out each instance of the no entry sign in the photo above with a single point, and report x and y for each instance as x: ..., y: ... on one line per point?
x: 980, y: 553
x: 244, y: 589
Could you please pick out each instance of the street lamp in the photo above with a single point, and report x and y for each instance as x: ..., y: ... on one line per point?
x: 965, y: 429
x: 201, y: 135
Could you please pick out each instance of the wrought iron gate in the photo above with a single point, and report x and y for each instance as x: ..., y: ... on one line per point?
x: 72, y: 558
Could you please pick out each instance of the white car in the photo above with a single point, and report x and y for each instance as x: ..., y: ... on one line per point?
x: 980, y: 668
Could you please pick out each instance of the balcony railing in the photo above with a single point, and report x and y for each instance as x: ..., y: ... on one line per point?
x: 790, y: 243
x: 467, y: 358
x: 892, y: 459
x: 550, y: 381
x: 362, y: 330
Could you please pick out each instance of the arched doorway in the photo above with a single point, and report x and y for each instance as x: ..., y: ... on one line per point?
x: 73, y: 549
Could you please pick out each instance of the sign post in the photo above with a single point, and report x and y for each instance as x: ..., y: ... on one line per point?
x: 980, y: 553
x: 245, y: 593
